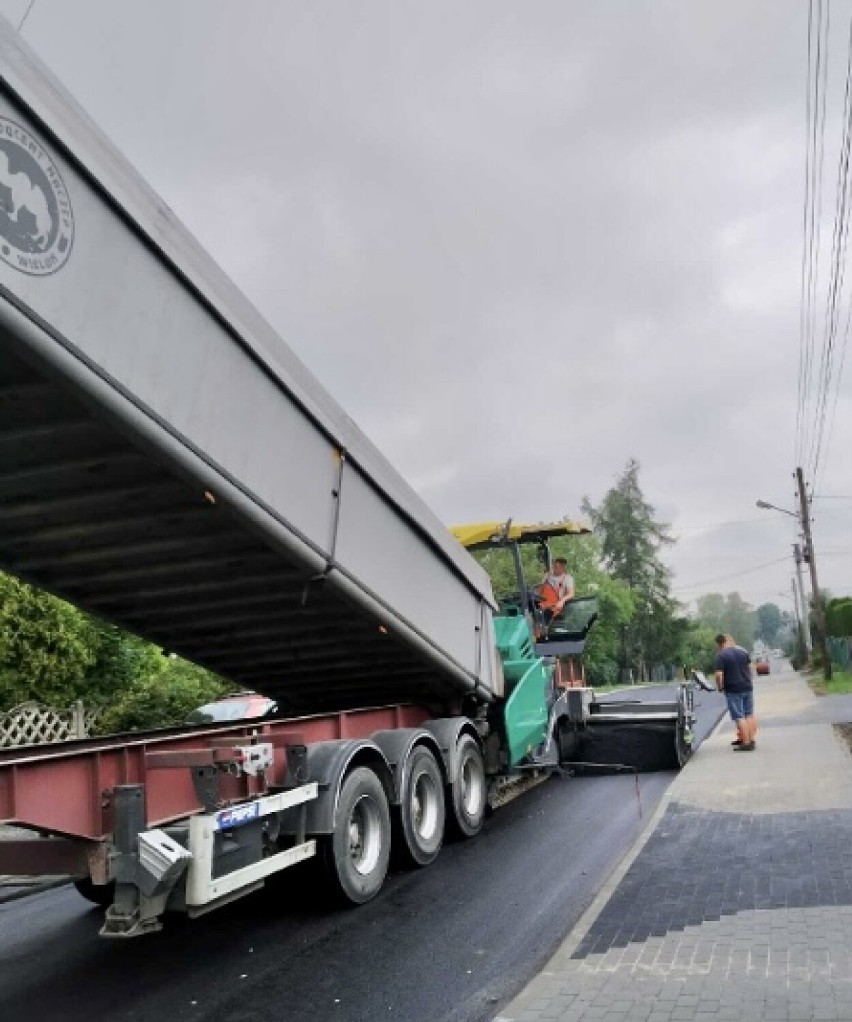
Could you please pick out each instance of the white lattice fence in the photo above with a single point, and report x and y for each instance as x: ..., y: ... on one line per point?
x: 34, y: 724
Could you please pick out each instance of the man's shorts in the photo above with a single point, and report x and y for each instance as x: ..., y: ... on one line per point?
x: 740, y: 704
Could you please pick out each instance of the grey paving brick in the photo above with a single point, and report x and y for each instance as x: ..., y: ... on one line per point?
x: 767, y: 938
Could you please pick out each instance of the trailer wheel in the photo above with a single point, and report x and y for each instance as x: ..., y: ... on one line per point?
x: 357, y: 853
x: 97, y: 894
x: 468, y: 789
x: 422, y: 808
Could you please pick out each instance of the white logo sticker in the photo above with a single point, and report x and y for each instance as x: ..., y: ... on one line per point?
x: 36, y: 219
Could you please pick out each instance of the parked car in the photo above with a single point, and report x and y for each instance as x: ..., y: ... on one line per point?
x: 762, y: 666
x: 233, y: 708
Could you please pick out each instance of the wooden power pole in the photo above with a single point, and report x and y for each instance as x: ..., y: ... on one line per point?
x: 802, y: 602
x: 819, y: 615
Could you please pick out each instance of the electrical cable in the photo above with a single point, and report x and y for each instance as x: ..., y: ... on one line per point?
x: 805, y: 235
x: 840, y: 236
x: 815, y: 149
x: 22, y: 22
x: 817, y: 145
x: 833, y: 417
x: 733, y: 574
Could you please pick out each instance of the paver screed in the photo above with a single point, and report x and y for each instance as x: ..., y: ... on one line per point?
x: 737, y: 901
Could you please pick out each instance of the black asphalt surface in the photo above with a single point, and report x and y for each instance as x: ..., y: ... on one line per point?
x: 449, y: 943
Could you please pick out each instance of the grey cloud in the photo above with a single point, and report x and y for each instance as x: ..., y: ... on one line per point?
x: 519, y: 243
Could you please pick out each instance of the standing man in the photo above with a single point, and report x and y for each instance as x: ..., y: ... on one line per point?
x: 734, y: 678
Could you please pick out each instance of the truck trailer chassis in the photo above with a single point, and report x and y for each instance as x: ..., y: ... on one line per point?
x: 192, y: 819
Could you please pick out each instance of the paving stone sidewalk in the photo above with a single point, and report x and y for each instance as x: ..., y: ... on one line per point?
x: 736, y: 904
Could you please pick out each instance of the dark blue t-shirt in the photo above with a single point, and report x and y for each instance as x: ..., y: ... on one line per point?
x: 734, y: 664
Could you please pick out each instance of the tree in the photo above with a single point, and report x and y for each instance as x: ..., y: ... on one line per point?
x: 54, y: 653
x: 46, y: 646
x: 163, y: 698
x: 711, y: 611
x: 768, y: 623
x: 121, y: 660
x: 729, y: 615
x: 838, y: 616
x: 631, y: 540
x: 699, y: 648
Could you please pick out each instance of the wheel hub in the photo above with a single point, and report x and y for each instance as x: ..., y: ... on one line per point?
x: 365, y: 838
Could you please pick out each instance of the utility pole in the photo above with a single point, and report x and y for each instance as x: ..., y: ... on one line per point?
x: 819, y: 616
x: 801, y: 601
x: 801, y: 648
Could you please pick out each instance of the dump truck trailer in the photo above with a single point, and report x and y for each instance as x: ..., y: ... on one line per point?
x: 168, y: 464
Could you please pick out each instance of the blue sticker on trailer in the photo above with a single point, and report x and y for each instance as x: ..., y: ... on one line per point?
x: 227, y: 819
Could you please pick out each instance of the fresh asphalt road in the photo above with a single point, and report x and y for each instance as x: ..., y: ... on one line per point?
x: 445, y: 944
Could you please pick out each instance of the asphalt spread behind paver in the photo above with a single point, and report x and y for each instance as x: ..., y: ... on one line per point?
x: 736, y: 903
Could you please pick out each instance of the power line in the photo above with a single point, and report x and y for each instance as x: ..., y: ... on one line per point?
x: 718, y: 525
x: 835, y: 285
x: 833, y: 417
x: 26, y: 15
x: 824, y: 323
x: 733, y: 574
x: 805, y: 233
x: 815, y: 112
x: 814, y: 200
x: 834, y: 295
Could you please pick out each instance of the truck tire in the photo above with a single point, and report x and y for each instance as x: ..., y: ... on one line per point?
x: 468, y: 788
x: 356, y: 854
x: 421, y: 808
x: 97, y: 894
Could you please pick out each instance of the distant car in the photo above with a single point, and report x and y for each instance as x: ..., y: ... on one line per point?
x: 762, y: 666
x: 234, y: 708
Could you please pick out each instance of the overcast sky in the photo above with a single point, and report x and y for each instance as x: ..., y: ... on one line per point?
x: 519, y: 242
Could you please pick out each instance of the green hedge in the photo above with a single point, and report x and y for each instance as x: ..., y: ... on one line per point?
x: 838, y: 616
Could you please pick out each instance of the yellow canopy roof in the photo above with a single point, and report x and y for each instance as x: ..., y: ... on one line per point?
x: 488, y: 533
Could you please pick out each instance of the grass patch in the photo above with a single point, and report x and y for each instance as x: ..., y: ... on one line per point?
x: 840, y: 684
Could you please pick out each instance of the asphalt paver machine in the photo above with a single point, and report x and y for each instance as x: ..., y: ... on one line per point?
x: 550, y: 716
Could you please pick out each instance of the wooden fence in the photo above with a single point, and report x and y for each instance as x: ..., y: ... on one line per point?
x: 33, y: 723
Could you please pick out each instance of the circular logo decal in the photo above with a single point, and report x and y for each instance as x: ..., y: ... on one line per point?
x: 36, y: 220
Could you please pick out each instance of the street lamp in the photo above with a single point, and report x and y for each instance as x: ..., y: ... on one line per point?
x: 805, y: 519
x: 766, y: 506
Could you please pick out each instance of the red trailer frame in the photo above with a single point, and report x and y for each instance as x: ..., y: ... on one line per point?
x: 66, y: 791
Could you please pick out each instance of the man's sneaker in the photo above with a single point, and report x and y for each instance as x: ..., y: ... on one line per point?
x: 748, y: 747
x: 737, y: 741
